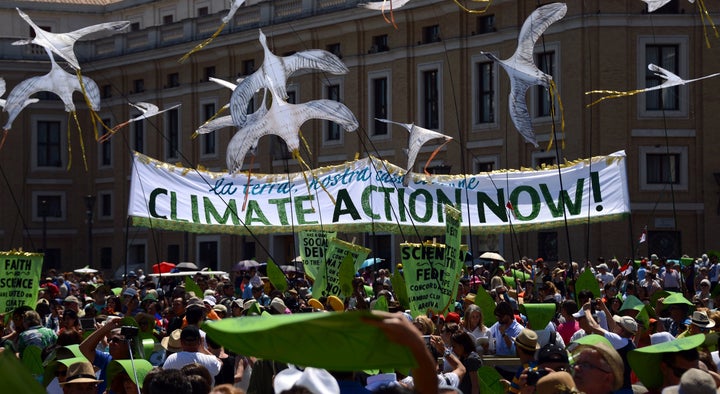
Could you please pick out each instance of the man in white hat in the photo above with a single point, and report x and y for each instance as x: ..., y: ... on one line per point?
x: 604, y: 276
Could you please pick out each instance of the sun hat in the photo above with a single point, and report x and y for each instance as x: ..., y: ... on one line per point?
x: 313, y: 302
x: 80, y: 372
x: 71, y: 299
x: 602, y: 266
x: 129, y: 292
x: 171, y: 343
x: 552, y: 353
x: 645, y: 361
x: 220, y: 308
x: 693, y: 381
x: 131, y: 367
x: 527, y: 340
x: 336, y: 303
x: 194, y: 302
x: 701, y: 319
x: 555, y: 382
x: 317, y: 381
x: 660, y: 337
x: 238, y: 303
x: 209, y: 292
x: 278, y: 305
x: 380, y: 380
x: 627, y: 323
x: 611, y: 357
x: 210, y: 300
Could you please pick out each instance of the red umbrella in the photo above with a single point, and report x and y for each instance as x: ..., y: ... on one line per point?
x: 162, y: 268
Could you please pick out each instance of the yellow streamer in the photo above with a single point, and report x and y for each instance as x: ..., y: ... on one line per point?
x: 609, y: 94
x: 202, y: 44
x: 481, y: 11
x: 705, y: 17
x: 195, y: 134
x: 554, y: 93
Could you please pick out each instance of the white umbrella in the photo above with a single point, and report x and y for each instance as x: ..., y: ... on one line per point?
x: 85, y: 270
x: 492, y: 256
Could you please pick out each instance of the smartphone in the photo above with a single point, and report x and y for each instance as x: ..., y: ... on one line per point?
x: 427, y: 339
x: 87, y: 323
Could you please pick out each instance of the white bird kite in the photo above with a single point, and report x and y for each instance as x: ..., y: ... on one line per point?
x: 274, y: 73
x: 383, y: 5
x: 62, y: 44
x: 669, y: 78
x: 284, y: 120
x: 418, y: 137
x: 521, y: 67
x: 147, y: 110
x: 2, y: 91
x: 57, y: 81
x: 234, y: 6
x: 655, y: 4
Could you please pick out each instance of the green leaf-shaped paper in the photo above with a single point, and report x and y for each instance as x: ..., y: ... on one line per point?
x: 398, y: 284
x: 338, y: 341
x: 587, y: 281
x: 381, y: 304
x: 276, y: 276
x: 487, y: 304
x: 192, y: 287
x: 539, y: 315
x: 346, y: 275
x: 489, y: 381
x: 15, y: 376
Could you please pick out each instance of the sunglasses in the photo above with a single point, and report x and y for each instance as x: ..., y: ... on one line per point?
x: 116, y: 340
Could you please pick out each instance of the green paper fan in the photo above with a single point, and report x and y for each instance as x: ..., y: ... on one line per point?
x: 15, y: 377
x: 276, y: 276
x: 489, y: 381
x: 645, y: 361
x: 539, y: 315
x: 192, y: 287
x: 400, y: 289
x: 338, y: 341
x: 381, y: 304
x: 632, y: 303
x: 587, y: 281
x: 487, y: 304
x: 346, y: 275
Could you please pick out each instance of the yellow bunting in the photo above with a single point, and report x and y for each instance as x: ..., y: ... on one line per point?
x: 202, y: 44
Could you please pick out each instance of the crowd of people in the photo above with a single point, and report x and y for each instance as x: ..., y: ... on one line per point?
x: 645, y: 326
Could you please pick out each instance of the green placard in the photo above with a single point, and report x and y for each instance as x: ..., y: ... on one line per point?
x: 19, y: 279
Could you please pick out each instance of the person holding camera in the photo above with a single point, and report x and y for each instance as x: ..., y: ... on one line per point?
x: 118, y: 348
x: 193, y: 351
x: 526, y: 345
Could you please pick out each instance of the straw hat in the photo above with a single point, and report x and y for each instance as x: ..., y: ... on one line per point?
x: 527, y: 340
x: 171, y: 343
x: 80, y: 372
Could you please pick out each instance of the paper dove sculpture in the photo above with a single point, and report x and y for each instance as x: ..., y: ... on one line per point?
x: 147, y: 110
x: 2, y: 101
x: 57, y: 81
x: 521, y: 67
x: 655, y: 4
x: 383, y: 5
x: 670, y: 80
x: 284, y: 120
x: 274, y: 73
x: 63, y: 44
x: 418, y: 137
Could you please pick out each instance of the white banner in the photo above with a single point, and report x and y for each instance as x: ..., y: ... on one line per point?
x: 366, y: 193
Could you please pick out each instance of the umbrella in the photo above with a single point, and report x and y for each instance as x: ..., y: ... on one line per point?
x: 187, y: 266
x: 371, y: 261
x: 288, y: 268
x: 245, y: 265
x: 492, y: 256
x: 85, y: 270
x: 162, y: 268
x: 297, y: 259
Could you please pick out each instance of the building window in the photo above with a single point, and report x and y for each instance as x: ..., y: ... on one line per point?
x: 208, y: 142
x: 173, y: 80
x: 485, y: 93
x: 379, y: 44
x: 431, y: 34
x: 548, y: 245
x: 430, y: 99
x: 203, y: 11
x: 173, y: 253
x: 248, y: 67
x: 172, y: 131
x: 208, y: 253
x: 209, y: 72
x: 379, y: 104
x: 546, y: 63
x: 167, y: 19
x: 665, y: 56
x: 485, y: 164
x: 139, y: 136
x: 49, y: 144
x: 333, y: 130
x: 135, y: 26
x: 105, y: 205
x: 136, y: 254
x: 485, y: 24
x: 106, y: 257
x: 106, y: 91
x: 48, y: 206
x: 138, y: 86
x: 334, y: 48
x: 292, y: 97
x: 663, y: 166
x: 105, y: 147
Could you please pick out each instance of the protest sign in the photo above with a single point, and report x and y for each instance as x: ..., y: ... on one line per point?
x: 327, y: 282
x: 19, y: 279
x: 313, y: 245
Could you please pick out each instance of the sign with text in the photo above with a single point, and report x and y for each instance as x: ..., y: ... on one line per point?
x: 430, y: 277
x: 19, y: 279
x: 368, y: 194
x: 313, y: 245
x: 327, y: 282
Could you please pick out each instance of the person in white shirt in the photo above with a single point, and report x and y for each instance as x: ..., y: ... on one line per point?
x: 193, y: 352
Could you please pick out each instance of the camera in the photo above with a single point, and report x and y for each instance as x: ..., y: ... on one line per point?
x: 535, y: 375
x: 129, y: 331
